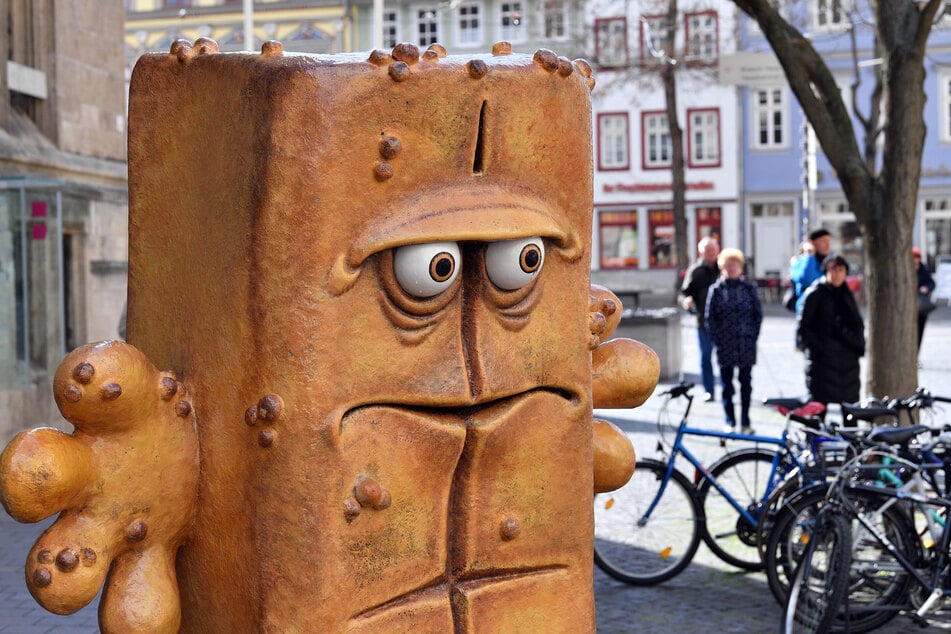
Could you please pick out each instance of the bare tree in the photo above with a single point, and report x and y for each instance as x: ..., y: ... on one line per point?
x: 883, y: 200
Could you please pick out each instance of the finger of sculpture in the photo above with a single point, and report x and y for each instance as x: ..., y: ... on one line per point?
x: 614, y: 457
x: 624, y: 373
x: 43, y: 471
x: 604, y: 312
x: 142, y: 595
x: 68, y: 564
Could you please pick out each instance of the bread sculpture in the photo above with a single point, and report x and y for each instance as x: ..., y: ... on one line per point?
x: 365, y: 281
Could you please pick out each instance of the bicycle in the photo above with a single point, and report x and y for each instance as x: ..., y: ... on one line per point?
x: 649, y: 530
x: 792, y: 523
x: 873, y: 499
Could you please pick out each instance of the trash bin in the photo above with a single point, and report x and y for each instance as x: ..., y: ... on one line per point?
x: 658, y: 328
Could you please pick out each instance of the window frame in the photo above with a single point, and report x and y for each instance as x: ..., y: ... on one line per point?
x: 602, y: 164
x: 645, y: 141
x: 506, y: 33
x: 479, y: 30
x: 623, y: 58
x: 688, y: 49
x: 944, y: 101
x: 416, y: 10
x: 815, y: 12
x: 393, y: 26
x: 646, y: 26
x: 756, y: 108
x: 710, y: 163
x: 555, y: 7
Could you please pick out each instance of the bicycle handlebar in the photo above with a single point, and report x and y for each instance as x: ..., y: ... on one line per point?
x: 681, y: 389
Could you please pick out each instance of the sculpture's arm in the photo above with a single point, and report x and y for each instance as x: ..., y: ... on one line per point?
x: 624, y: 373
x: 125, y: 485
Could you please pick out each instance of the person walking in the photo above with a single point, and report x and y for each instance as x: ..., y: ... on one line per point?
x: 925, y: 288
x: 833, y: 334
x: 700, y: 276
x: 807, y: 268
x: 733, y: 317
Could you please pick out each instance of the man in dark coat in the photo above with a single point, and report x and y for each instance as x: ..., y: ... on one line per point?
x: 703, y: 273
x: 833, y: 334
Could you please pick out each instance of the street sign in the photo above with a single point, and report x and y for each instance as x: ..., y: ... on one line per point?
x: 751, y: 69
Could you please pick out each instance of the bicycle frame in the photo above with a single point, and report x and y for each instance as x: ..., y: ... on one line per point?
x: 678, y: 448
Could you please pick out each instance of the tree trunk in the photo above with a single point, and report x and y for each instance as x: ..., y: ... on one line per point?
x: 678, y: 188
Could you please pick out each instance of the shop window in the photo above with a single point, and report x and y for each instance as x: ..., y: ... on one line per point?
x: 660, y: 223
x: 709, y: 221
x: 618, y: 239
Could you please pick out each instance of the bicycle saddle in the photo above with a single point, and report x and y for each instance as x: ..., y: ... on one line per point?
x: 896, y: 435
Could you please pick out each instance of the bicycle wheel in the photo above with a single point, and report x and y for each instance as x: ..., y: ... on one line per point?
x: 646, y: 552
x: 877, y: 582
x: 746, y: 476
x: 878, y: 585
x: 788, y: 538
x: 822, y: 577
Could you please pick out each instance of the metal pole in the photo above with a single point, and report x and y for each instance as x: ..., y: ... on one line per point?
x: 62, y: 272
x: 248, y: 10
x: 25, y: 282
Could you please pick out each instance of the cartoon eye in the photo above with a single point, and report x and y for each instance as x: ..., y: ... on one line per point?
x: 512, y: 264
x: 426, y: 270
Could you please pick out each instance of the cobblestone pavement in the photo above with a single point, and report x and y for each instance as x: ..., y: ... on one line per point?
x: 708, y: 596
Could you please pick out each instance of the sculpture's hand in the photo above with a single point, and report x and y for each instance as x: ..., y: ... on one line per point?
x: 125, y: 482
x: 624, y: 373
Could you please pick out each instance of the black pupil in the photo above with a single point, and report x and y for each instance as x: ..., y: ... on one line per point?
x: 530, y: 259
x: 442, y: 266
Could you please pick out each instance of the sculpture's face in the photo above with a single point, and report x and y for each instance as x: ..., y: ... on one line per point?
x: 385, y: 334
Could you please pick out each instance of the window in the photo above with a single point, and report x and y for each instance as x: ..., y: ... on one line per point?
x: 427, y: 26
x: 618, y: 234
x: 703, y: 138
x: 944, y: 90
x: 770, y: 122
x: 829, y: 14
x: 391, y: 29
x: 656, y: 146
x: 470, y: 25
x: 174, y: 4
x: 512, y: 22
x: 661, y: 234
x: 653, y: 37
x: 709, y: 224
x: 613, y: 145
x: 555, y: 16
x: 702, y: 35
x: 610, y: 42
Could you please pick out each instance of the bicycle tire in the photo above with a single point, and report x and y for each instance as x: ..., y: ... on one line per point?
x: 746, y: 476
x: 659, y: 550
x: 872, y: 597
x: 821, y: 581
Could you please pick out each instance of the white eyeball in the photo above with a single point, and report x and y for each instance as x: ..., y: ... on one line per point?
x: 511, y: 264
x: 426, y: 270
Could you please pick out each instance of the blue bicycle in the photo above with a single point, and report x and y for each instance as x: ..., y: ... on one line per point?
x: 649, y: 530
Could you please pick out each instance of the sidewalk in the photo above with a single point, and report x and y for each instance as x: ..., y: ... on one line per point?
x: 708, y: 597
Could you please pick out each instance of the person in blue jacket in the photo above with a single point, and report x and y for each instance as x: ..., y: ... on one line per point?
x: 733, y: 317
x: 807, y: 268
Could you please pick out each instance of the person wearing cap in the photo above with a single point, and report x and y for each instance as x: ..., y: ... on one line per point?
x: 925, y: 288
x: 699, y: 278
x: 832, y: 333
x: 733, y: 317
x: 807, y: 268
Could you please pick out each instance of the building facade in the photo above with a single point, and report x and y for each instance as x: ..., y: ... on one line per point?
x: 633, y: 216
x: 789, y: 187
x: 63, y: 200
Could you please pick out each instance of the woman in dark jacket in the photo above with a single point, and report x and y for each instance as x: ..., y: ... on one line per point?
x: 733, y: 317
x: 833, y: 335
